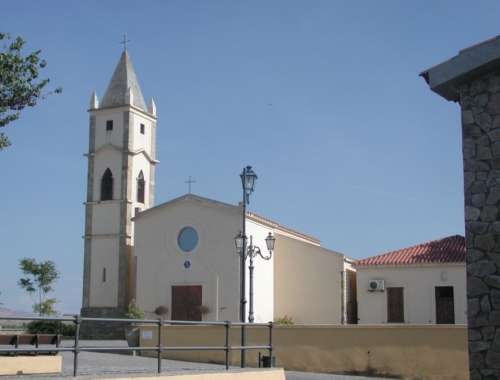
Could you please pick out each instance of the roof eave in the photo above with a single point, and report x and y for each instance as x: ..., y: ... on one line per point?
x: 446, y: 78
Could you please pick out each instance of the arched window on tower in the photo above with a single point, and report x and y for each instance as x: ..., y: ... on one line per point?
x: 103, y: 274
x: 107, y: 186
x: 140, y: 187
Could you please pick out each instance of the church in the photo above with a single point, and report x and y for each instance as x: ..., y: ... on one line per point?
x: 182, y: 254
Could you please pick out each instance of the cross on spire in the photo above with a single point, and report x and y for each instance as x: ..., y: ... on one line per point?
x: 190, y: 182
x: 124, y: 42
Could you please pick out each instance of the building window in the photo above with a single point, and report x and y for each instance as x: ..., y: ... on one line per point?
x: 109, y: 125
x: 143, y: 129
x: 395, y: 305
x: 107, y: 186
x: 103, y: 274
x: 140, y: 187
x: 188, y: 239
x: 445, y: 305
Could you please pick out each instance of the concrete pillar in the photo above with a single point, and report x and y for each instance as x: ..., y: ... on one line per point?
x: 472, y: 78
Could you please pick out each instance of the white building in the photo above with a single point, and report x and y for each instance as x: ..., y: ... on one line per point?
x: 423, y: 284
x: 182, y: 254
x: 186, y: 256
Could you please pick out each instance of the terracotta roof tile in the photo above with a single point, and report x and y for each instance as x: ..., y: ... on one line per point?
x: 441, y: 251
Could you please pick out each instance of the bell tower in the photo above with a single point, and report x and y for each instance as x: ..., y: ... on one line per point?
x: 120, y: 183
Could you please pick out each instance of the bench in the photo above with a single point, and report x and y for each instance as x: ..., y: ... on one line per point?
x: 35, y: 340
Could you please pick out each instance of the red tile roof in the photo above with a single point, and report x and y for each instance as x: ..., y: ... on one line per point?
x: 441, y: 251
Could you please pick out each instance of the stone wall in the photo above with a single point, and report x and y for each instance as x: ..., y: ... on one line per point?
x: 102, y: 330
x: 480, y: 107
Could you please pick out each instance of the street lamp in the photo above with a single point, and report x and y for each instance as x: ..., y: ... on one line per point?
x: 248, y: 180
x: 252, y: 251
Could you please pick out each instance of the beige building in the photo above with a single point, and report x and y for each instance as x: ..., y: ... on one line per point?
x: 182, y: 254
x: 186, y: 256
x: 423, y: 284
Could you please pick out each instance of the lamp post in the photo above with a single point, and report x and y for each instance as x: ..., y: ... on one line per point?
x: 252, y: 251
x: 248, y: 180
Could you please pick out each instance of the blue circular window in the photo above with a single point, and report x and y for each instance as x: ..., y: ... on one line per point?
x: 188, y: 239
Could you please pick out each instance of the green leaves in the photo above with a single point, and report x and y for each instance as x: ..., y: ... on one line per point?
x: 40, y: 278
x: 134, y: 311
x: 18, y: 85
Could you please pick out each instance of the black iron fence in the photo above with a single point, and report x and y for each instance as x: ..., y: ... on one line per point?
x: 159, y: 348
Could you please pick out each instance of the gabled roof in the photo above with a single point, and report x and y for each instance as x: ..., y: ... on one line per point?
x: 123, y: 78
x: 227, y: 207
x: 442, y: 251
x: 283, y: 228
x: 186, y: 198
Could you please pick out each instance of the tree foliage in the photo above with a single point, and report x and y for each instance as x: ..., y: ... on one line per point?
x: 40, y: 278
x: 19, y: 86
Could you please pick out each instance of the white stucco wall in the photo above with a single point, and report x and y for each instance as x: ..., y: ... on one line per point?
x: 214, y: 262
x: 106, y: 218
x: 104, y: 293
x: 419, y: 292
x: 103, y: 137
x: 263, y: 274
x: 307, y: 282
x: 142, y: 141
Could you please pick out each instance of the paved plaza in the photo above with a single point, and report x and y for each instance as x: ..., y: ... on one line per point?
x: 110, y: 365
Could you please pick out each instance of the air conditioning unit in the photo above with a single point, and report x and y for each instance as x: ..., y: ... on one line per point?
x: 376, y: 285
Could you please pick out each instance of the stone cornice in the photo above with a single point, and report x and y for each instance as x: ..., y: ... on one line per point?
x: 124, y: 108
x: 106, y: 236
x: 131, y: 152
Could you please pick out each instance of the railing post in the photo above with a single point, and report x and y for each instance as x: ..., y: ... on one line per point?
x: 160, y: 344
x: 271, y: 325
x: 77, y: 321
x: 228, y: 348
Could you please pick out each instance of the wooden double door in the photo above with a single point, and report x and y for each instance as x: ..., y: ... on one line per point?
x: 185, y: 303
x: 445, y: 305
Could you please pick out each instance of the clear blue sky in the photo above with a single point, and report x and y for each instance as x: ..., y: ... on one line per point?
x: 322, y: 98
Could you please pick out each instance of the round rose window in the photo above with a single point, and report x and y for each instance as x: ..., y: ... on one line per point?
x: 188, y: 239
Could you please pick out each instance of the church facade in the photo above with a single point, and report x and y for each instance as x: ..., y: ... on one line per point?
x: 186, y: 258
x: 182, y: 254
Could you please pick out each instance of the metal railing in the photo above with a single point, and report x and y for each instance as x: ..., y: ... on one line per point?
x: 159, y: 348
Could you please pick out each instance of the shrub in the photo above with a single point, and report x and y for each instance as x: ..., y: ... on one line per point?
x: 134, y: 311
x: 161, y: 311
x: 51, y: 327
x: 286, y: 320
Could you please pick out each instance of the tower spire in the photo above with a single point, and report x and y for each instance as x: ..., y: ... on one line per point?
x: 123, y: 79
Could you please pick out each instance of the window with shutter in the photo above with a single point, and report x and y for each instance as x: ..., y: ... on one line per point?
x: 445, y: 305
x: 395, y: 305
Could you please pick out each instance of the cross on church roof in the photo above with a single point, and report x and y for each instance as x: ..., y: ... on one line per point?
x: 124, y: 42
x: 190, y: 182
